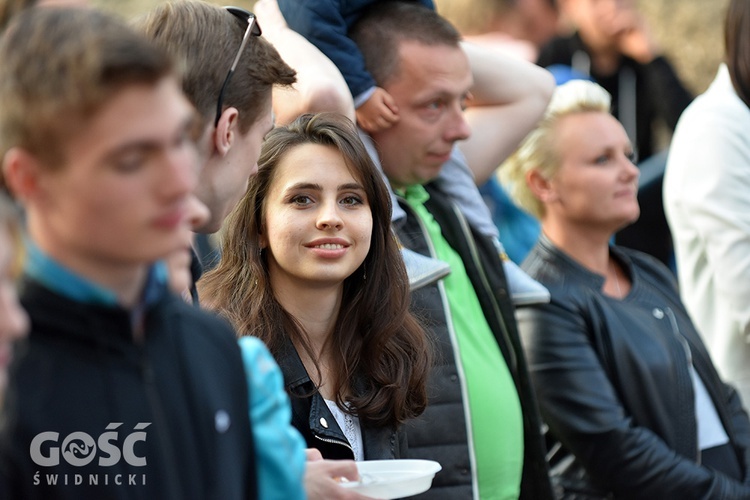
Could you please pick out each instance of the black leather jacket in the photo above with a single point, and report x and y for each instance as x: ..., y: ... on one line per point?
x: 441, y: 432
x: 312, y: 418
x: 613, y: 382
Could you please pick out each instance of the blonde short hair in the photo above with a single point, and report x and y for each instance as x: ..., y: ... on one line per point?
x: 538, y: 150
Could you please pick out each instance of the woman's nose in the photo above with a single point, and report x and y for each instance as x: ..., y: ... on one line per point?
x: 329, y: 216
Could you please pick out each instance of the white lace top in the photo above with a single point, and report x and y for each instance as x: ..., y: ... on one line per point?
x: 350, y: 426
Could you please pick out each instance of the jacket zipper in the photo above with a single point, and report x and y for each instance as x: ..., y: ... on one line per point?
x: 152, y: 395
x: 688, y: 356
x: 334, y: 441
x: 676, y: 332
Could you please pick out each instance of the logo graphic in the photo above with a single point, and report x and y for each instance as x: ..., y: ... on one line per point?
x: 80, y: 449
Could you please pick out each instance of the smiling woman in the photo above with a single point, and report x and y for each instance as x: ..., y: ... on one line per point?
x: 316, y: 233
x: 311, y: 267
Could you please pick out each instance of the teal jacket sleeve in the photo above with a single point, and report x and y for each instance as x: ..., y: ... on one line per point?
x: 279, y: 447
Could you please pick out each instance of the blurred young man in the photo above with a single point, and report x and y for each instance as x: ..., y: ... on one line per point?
x: 122, y: 390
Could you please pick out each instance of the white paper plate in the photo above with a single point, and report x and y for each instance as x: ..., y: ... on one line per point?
x: 388, y: 479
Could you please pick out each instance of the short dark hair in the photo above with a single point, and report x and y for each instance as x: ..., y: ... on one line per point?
x: 205, y: 38
x: 737, y: 46
x: 384, y: 25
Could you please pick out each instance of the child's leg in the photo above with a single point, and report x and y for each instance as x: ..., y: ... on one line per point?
x: 319, y: 87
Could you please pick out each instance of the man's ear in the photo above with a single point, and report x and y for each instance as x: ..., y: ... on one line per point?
x: 226, y: 130
x: 22, y: 171
x: 540, y: 186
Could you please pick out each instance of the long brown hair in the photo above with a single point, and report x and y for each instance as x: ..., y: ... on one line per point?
x: 375, y: 340
x: 737, y: 45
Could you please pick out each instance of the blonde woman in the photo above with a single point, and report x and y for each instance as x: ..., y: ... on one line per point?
x: 634, y: 405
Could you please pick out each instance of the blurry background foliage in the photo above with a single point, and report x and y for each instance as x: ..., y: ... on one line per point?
x: 689, y: 31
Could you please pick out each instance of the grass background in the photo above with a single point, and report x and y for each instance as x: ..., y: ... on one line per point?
x: 690, y: 32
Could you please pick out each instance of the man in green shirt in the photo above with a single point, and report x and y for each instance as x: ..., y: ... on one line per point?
x: 482, y: 423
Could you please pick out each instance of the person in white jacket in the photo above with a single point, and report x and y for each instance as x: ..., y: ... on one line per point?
x: 707, y: 203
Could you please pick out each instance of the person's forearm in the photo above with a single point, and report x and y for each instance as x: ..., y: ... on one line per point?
x: 503, y: 79
x: 509, y: 96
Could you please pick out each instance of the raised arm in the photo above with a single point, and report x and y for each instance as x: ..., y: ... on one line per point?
x: 320, y: 85
x: 509, y: 97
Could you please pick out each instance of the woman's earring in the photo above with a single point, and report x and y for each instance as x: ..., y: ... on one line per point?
x: 364, y: 274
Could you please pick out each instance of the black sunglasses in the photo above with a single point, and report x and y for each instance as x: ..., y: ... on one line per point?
x: 253, y: 28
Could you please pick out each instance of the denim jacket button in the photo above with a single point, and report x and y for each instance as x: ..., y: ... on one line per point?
x: 323, y: 422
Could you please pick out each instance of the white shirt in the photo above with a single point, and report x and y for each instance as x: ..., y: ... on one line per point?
x: 350, y: 427
x: 711, y: 431
x: 707, y: 203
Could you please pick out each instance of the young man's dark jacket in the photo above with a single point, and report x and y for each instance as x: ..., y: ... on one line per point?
x: 165, y: 417
x: 441, y: 432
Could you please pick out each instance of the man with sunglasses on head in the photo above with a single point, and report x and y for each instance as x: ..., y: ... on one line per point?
x: 229, y: 74
x: 230, y: 71
x: 122, y: 390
